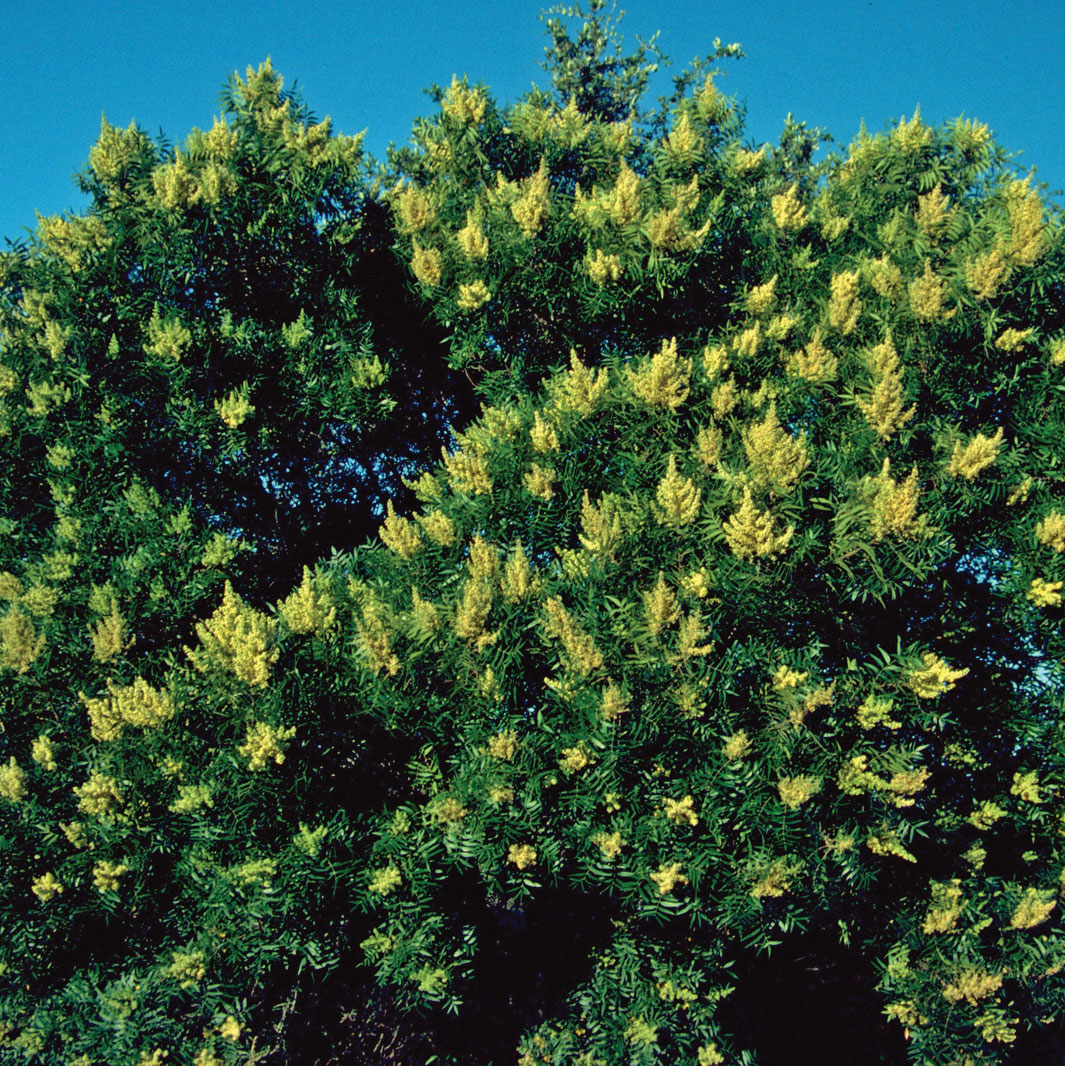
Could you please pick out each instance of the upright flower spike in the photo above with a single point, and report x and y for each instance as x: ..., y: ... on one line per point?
x: 677, y: 498
x: 750, y: 535
x: 788, y: 211
x: 664, y: 381
x: 883, y: 409
x: 968, y: 460
x: 236, y: 639
x: 534, y: 204
x: 776, y: 459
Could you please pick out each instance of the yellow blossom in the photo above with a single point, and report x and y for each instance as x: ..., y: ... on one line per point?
x: 1051, y: 531
x: 534, y: 204
x: 310, y: 608
x: 581, y: 651
x: 519, y: 580
x: 708, y: 441
x: 1026, y: 786
x: 462, y: 104
x: 886, y: 278
x: 521, y: 855
x: 749, y: 532
x: 413, y: 209
x: 503, y: 745
x: 677, y: 498
x: 888, y: 843
x: 749, y: 341
x: 235, y: 409
x: 105, y: 876
x: 927, y: 294
x: 167, y: 336
x: 187, y: 968
x: 664, y: 381
x: 192, y: 798
x: 473, y: 296
x: 623, y: 203
x: 978, y: 454
x: 942, y: 916
x: 43, y: 753
x: 1027, y: 228
x: 1034, y: 909
x: 471, y: 614
x: 579, y: 390
x: 137, y: 705
x: 667, y: 877
x: 788, y: 212
x: 844, y: 307
x: 445, y: 810
x: 615, y: 703
x: 109, y: 637
x: 500, y: 794
x: 385, y: 880
x: 984, y: 274
x: 471, y: 238
x: 427, y: 265
x: 932, y: 213
x: 101, y: 796
x: 893, y: 506
x: 912, y: 136
x: 724, y: 398
x: 776, y: 459
x: 681, y: 811
x: 603, y: 267
x: 972, y: 985
x: 660, y: 606
x: 438, y: 527
x: 46, y: 887
x: 775, y: 880
x: 230, y: 1029
x: 736, y: 746
x: 543, y: 436
x: 374, y: 631
x: 1045, y: 593
x: 785, y: 678
x: 400, y: 534
x: 761, y: 298
x: 467, y: 468
x: 985, y: 815
x: 610, y: 844
x: 237, y: 639
x: 265, y: 743
x: 883, y: 409
x: 795, y: 791
x: 815, y: 363
x: 874, y: 712
x: 1057, y: 351
x: 683, y: 143
x: 1013, y: 340
x: 575, y: 759
x: 935, y: 678
x: 540, y: 481
x: 19, y: 644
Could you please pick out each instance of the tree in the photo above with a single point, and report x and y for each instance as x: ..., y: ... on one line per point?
x: 729, y: 627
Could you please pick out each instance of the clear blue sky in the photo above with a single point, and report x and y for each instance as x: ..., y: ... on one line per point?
x: 364, y: 62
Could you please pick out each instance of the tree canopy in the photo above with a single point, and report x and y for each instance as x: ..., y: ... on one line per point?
x: 721, y: 644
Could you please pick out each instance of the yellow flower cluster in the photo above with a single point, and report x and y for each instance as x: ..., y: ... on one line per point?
x: 775, y: 458
x: 603, y: 267
x: 795, y: 791
x: 660, y: 606
x: 883, y: 409
x: 265, y: 743
x: 761, y: 298
x: 664, y: 380
x: 667, y: 877
x: 972, y: 985
x: 844, y: 307
x: 521, y: 855
x: 1026, y: 786
x: 462, y: 104
x: 310, y: 608
x: 935, y: 678
x: 575, y: 759
x: 43, y: 753
x: 985, y: 273
x: 503, y: 746
x: 413, y: 209
x: 188, y: 968
x: 19, y: 644
x: 581, y: 652
x: 749, y: 532
x: 473, y: 296
x: 579, y: 390
x: 681, y: 811
x: 815, y: 363
x: 46, y: 887
x: 677, y: 498
x: 945, y: 908
x: 932, y: 214
x: 427, y: 265
x: 977, y: 455
x: 874, y: 712
x: 399, y: 534
x: 985, y: 815
x: 138, y: 705
x: 1033, y: 909
x: 610, y: 844
x: 534, y: 204
x: 893, y: 507
x: 101, y: 796
x: 683, y: 143
x: 167, y: 337
x: 615, y: 703
x: 788, y: 211
x: 1027, y: 228
x: 192, y: 798
x: 1045, y: 593
x: 927, y: 294
x: 105, y: 876
x: 109, y: 637
x: 385, y: 880
x: 1051, y: 531
x: 467, y: 468
x: 775, y: 880
x: 238, y: 640
x: 885, y: 277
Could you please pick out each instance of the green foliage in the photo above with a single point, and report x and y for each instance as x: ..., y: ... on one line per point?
x: 731, y: 623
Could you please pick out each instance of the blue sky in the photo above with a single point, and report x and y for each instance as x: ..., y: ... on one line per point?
x: 364, y: 62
